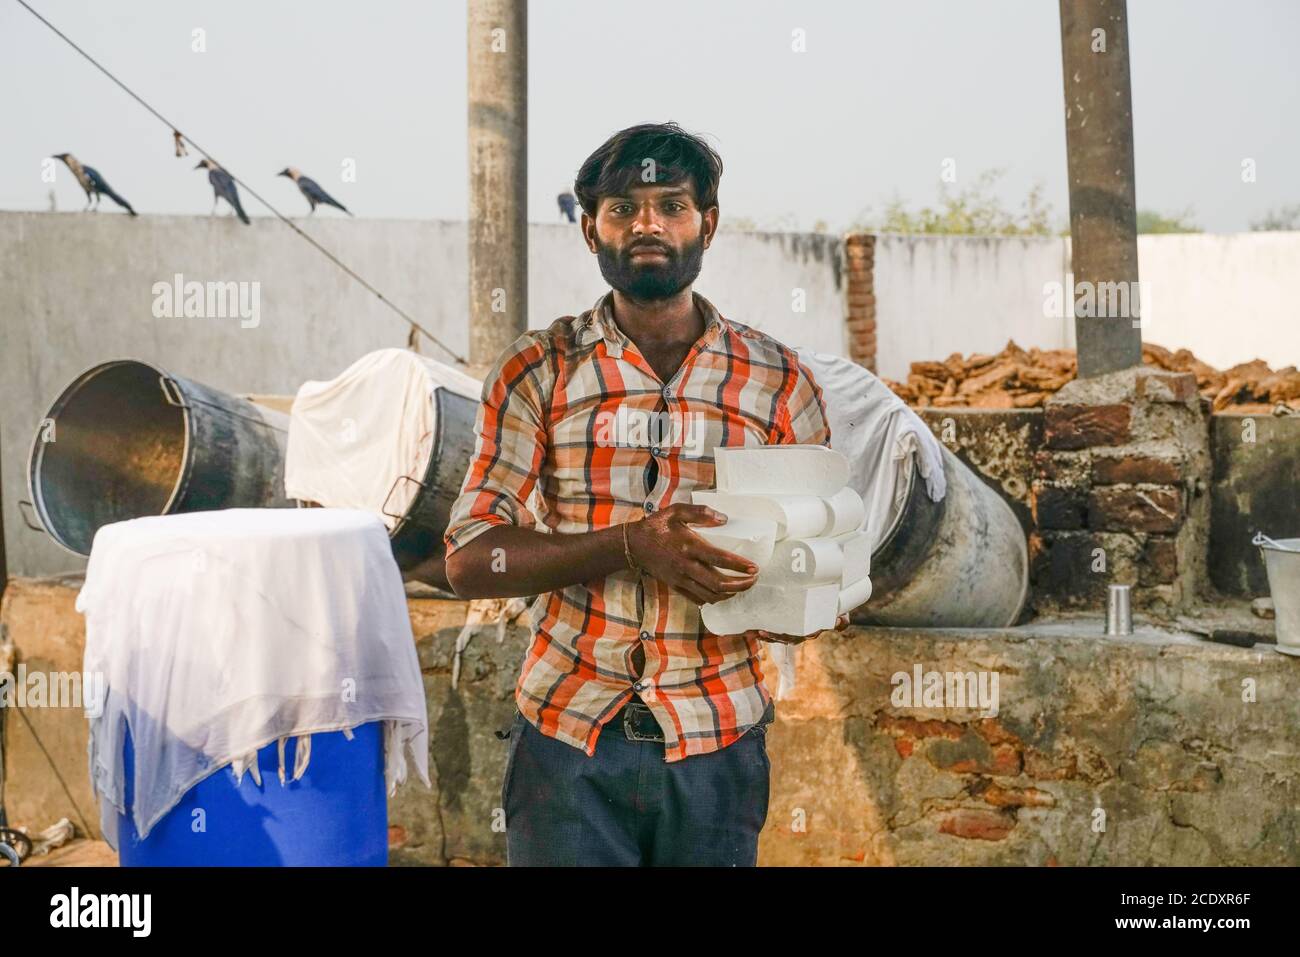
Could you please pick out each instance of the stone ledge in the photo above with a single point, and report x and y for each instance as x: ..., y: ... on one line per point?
x: 1150, y: 729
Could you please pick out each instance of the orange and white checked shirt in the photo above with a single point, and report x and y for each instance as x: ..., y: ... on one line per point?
x: 576, y: 412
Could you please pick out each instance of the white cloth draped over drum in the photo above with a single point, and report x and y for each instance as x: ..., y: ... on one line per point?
x: 218, y: 633
x: 353, y: 438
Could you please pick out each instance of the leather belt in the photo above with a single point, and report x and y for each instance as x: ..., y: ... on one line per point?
x: 639, y: 723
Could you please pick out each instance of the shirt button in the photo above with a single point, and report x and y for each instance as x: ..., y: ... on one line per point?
x: 649, y: 506
x: 645, y: 636
x: 668, y: 393
x: 639, y: 686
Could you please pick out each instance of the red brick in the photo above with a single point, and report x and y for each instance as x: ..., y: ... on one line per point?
x: 861, y: 312
x: 1017, y: 797
x: 1084, y: 426
x: 916, y: 728
x: 1132, y: 469
x: 1156, y: 385
x: 1048, y: 767
x: 863, y: 343
x: 1135, y: 510
x: 861, y: 324
x: 1058, y: 508
x: 977, y: 825
x: 864, y: 299
x: 1160, y: 560
x: 993, y: 731
x: 1006, y: 761
x: 1002, y: 760
x: 1061, y: 468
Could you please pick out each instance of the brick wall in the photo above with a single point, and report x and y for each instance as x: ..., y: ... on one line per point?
x: 860, y: 298
x: 1119, y: 491
x: 1084, y: 763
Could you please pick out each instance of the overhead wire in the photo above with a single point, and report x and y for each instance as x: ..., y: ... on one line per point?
x: 176, y: 131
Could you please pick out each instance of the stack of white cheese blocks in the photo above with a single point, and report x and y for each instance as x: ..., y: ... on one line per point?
x: 791, y: 512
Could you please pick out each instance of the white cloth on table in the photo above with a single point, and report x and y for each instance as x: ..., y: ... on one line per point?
x: 218, y: 633
x: 353, y: 437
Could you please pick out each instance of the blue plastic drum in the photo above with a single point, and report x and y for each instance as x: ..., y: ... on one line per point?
x: 335, y: 815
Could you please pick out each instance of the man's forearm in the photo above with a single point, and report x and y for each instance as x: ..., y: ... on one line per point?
x: 507, y: 561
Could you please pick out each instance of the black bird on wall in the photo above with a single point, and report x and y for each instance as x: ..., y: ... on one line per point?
x: 311, y: 189
x: 568, y: 205
x: 223, y: 187
x: 94, y: 184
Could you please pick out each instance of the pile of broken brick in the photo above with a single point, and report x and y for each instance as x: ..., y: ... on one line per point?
x: 1017, y: 378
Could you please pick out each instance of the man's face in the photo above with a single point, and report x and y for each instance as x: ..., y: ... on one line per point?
x: 650, y: 243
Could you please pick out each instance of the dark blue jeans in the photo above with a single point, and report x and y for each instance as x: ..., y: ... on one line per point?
x: 626, y: 806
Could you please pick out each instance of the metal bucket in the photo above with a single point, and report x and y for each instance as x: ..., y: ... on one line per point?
x: 127, y: 439
x: 1282, y: 559
x: 961, y: 562
x: 417, y: 536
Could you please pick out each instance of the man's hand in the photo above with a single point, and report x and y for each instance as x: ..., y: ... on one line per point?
x: 664, y: 545
x: 840, y: 624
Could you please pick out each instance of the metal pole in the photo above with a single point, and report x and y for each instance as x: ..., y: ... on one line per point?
x: 498, y: 177
x: 1103, y: 210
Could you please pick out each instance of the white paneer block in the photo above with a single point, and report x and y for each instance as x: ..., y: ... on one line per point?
x: 856, y: 548
x: 780, y: 470
x: 799, y: 610
x: 805, y: 561
x: 796, y: 516
x: 855, y: 595
x: 750, y: 538
x: 846, y: 511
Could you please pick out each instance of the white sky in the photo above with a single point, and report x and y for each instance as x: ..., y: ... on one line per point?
x: 885, y: 92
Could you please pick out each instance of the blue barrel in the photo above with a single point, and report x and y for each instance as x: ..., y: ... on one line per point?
x: 335, y: 815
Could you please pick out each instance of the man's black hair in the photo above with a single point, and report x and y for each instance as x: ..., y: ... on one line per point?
x: 619, y: 164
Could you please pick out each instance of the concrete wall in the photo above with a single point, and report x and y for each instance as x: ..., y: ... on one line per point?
x: 1227, y: 298
x: 77, y: 290
x: 936, y: 295
x: 1252, y: 489
x: 1131, y: 751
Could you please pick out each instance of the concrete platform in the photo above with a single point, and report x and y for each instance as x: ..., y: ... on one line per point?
x: 1160, y: 748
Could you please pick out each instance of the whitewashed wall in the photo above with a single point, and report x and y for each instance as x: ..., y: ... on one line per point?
x: 1228, y: 298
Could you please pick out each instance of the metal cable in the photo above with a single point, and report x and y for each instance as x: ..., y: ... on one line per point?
x: 252, y: 192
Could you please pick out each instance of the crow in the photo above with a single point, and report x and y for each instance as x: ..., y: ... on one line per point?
x: 94, y: 184
x: 567, y: 205
x: 223, y: 187
x: 311, y: 189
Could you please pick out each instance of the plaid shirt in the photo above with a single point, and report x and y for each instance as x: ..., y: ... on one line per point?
x: 558, y: 416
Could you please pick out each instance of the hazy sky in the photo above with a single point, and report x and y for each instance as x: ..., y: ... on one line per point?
x: 884, y: 93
